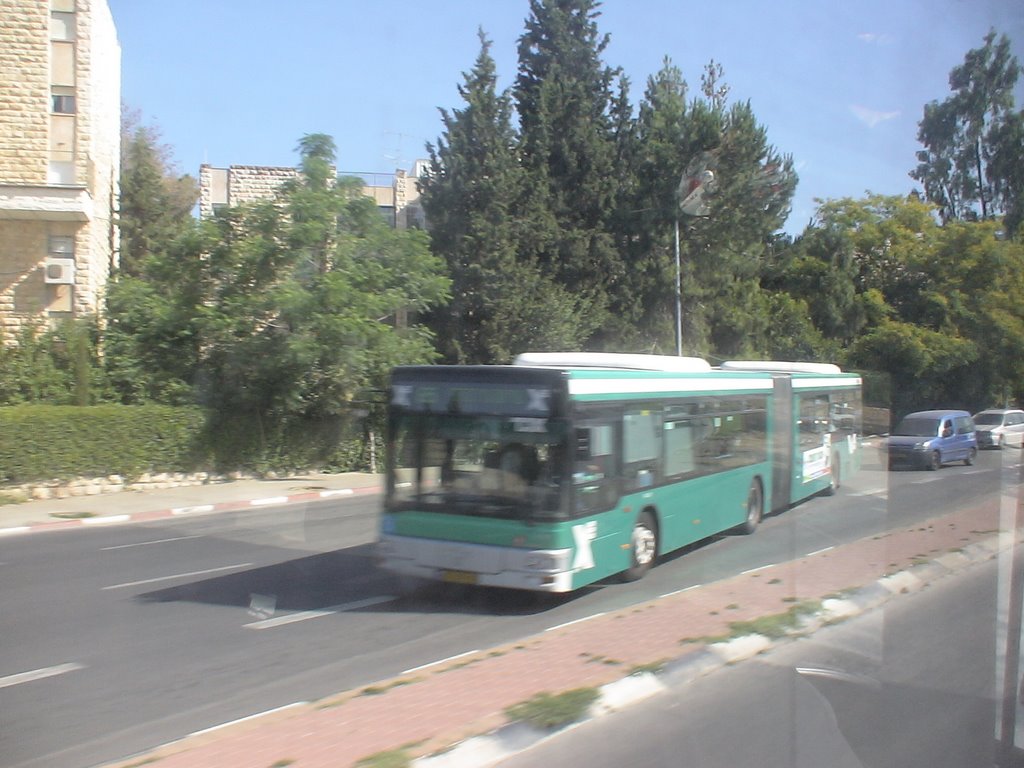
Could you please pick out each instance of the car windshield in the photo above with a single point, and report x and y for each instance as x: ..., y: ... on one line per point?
x: 989, y: 419
x: 917, y: 427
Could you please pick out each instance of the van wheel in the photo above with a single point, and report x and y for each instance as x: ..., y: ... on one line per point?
x: 755, y: 509
x: 971, y: 454
x: 934, y: 461
x: 644, y: 546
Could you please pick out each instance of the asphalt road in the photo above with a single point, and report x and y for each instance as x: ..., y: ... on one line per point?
x: 116, y: 640
x: 916, y: 684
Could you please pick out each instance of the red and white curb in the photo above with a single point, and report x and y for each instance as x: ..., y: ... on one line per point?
x: 200, y: 509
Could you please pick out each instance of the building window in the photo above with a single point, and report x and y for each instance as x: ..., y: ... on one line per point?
x: 62, y: 138
x: 62, y: 63
x: 62, y: 100
x: 61, y: 247
x: 62, y: 26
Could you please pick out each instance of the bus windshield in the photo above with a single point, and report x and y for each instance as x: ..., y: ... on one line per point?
x: 490, y: 466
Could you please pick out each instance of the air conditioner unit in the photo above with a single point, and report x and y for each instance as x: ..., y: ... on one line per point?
x: 59, y: 271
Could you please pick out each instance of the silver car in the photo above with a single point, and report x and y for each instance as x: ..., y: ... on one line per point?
x: 997, y: 427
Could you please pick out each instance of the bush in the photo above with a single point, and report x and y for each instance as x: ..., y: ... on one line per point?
x: 45, y: 442
x: 57, y: 442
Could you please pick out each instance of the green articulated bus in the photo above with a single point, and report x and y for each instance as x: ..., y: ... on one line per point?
x: 565, y: 469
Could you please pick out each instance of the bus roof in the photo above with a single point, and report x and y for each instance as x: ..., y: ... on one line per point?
x: 613, y: 360
x: 779, y: 366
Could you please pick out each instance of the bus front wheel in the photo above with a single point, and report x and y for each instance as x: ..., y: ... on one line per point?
x: 644, y: 546
x: 755, y: 508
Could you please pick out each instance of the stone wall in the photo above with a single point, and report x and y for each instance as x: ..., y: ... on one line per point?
x: 96, y: 486
x: 24, y: 91
x: 33, y: 209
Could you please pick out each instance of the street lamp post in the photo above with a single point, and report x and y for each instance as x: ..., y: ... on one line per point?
x: 696, y: 182
x: 679, y: 294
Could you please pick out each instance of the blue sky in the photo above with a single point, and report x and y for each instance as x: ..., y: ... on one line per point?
x: 839, y: 86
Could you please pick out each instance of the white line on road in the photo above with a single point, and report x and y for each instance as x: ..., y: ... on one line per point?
x: 758, y: 568
x: 178, y: 576
x: 574, y: 621
x: 869, y: 492
x: 147, y: 543
x: 14, y: 529
x: 291, y: 618
x: 818, y: 551
x: 339, y: 492
x: 213, y: 728
x: 38, y: 674
x: 680, y: 591
x: 441, y: 661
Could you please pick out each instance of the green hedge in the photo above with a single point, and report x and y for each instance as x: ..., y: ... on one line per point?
x: 46, y: 442
x: 43, y: 442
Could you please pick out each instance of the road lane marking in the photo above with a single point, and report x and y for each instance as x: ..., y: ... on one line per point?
x: 441, y: 661
x: 38, y: 674
x: 818, y: 551
x: 178, y: 576
x: 147, y: 543
x: 214, y: 728
x: 574, y: 621
x: 680, y: 591
x: 292, y: 618
x: 869, y: 492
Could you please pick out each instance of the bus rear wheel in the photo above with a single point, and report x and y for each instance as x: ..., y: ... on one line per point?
x: 755, y: 508
x: 644, y: 546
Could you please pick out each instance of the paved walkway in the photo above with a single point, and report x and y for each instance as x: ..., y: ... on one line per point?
x: 452, y: 714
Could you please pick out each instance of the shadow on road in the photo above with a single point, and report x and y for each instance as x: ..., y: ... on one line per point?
x: 346, y: 578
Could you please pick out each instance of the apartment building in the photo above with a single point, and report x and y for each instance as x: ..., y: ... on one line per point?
x: 60, y: 113
x: 396, y: 194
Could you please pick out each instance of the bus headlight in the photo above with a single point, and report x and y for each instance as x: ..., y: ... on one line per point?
x: 546, y: 561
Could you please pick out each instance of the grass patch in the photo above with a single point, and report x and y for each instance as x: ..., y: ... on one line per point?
x: 651, y: 668
x: 393, y: 758
x: 777, y: 625
x: 282, y: 763
x: 776, y: 580
x: 73, y: 515
x: 549, y: 711
x: 377, y: 690
x: 11, y: 498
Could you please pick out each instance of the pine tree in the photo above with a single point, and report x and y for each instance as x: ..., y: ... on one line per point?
x: 568, y: 148
x: 155, y: 202
x: 501, y: 302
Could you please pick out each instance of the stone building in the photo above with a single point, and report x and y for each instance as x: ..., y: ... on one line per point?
x: 60, y: 114
x: 396, y: 194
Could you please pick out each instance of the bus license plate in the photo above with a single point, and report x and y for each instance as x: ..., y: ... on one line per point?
x: 459, y: 577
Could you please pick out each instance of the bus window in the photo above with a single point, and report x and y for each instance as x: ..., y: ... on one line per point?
x: 594, y: 469
x: 641, y: 448
x: 679, y: 452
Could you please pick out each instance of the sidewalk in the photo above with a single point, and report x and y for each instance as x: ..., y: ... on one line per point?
x: 451, y: 714
x: 132, y: 506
